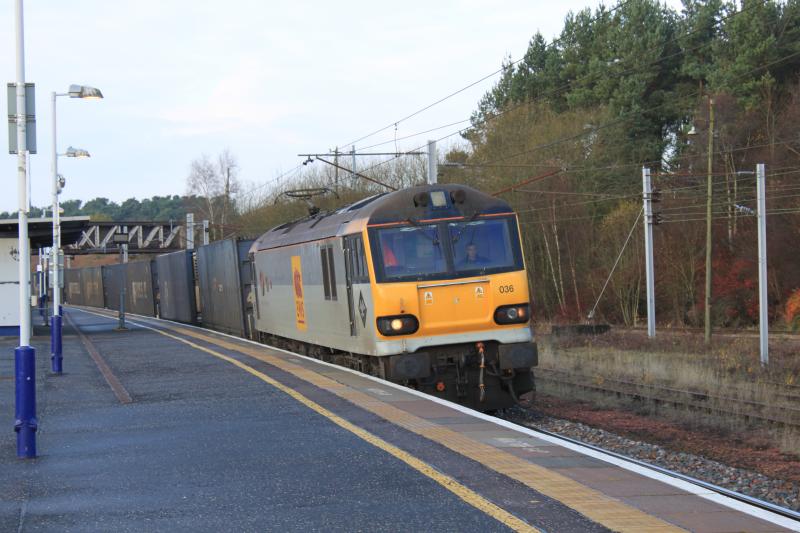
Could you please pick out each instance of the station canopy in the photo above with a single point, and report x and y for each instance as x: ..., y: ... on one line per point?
x: 40, y: 230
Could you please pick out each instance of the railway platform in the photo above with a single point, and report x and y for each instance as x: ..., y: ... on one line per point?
x: 171, y: 427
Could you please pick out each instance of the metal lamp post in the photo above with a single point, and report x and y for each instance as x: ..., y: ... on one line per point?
x: 56, y: 357
x: 25, y: 423
x: 75, y: 91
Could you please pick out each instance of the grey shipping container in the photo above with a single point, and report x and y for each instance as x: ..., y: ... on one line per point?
x: 140, y: 294
x: 73, y: 290
x: 92, y: 286
x: 176, y: 294
x: 112, y: 284
x: 221, y: 268
x: 138, y: 279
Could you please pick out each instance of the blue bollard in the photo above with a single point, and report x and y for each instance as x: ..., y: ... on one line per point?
x: 25, y: 408
x: 55, y: 344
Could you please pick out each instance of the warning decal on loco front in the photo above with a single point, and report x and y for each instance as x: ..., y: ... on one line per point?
x: 299, y: 305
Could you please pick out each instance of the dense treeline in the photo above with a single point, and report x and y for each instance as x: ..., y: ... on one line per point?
x: 155, y: 208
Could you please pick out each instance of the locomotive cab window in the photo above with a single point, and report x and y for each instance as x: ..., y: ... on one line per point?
x: 482, y: 245
x: 446, y: 250
x: 328, y: 272
x: 411, y: 251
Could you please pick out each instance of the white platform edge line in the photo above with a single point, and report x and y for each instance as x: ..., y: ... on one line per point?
x: 691, y: 488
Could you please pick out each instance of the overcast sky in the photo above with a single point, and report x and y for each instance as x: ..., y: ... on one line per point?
x: 266, y: 80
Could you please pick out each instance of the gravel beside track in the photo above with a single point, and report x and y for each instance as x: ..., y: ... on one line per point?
x: 779, y: 492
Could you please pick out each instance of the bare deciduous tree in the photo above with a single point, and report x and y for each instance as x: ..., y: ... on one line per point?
x: 213, y: 185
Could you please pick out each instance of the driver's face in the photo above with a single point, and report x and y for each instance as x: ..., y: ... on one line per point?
x: 472, y: 251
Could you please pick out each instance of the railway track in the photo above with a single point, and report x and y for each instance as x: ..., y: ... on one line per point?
x: 749, y: 410
x: 738, y: 496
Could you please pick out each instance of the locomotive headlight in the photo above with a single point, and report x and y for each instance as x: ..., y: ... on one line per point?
x: 397, y: 325
x: 512, y: 314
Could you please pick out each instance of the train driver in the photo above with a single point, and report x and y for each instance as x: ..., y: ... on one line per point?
x: 473, y: 258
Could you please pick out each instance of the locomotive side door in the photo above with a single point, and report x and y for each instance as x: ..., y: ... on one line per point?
x: 350, y: 249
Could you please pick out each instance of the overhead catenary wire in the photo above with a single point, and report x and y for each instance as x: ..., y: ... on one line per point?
x: 639, y: 164
x: 595, y: 129
x: 591, y: 130
x: 612, y: 198
x: 625, y: 117
x: 660, y: 59
x: 717, y: 218
x: 273, y: 180
x: 568, y: 84
x: 394, y: 123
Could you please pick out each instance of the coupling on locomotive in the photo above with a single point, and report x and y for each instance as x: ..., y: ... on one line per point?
x: 425, y: 286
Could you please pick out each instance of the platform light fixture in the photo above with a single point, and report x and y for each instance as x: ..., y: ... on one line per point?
x: 84, y: 91
x: 78, y: 153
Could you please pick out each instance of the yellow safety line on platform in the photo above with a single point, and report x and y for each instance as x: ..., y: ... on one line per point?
x: 466, y: 494
x: 603, y: 509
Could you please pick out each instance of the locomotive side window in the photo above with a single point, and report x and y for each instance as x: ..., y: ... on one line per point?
x: 362, y: 261
x: 328, y: 272
x: 356, y: 259
x: 331, y: 273
x: 323, y: 254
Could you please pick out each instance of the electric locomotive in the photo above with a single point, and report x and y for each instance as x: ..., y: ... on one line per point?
x: 425, y: 286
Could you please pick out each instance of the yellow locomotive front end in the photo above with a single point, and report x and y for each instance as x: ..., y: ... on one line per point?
x: 451, y: 298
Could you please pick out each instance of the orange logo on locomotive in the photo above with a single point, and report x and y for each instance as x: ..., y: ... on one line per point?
x: 298, y: 284
x: 299, y: 304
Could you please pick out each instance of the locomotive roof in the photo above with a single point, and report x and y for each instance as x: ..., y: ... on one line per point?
x: 408, y: 205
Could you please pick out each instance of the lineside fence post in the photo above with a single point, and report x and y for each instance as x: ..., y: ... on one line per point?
x: 763, y: 315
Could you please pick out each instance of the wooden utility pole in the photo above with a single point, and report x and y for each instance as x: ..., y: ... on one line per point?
x: 709, y: 201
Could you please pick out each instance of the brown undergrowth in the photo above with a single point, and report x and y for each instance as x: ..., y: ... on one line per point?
x: 728, y: 375
x: 751, y: 452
